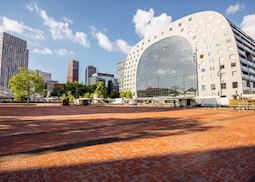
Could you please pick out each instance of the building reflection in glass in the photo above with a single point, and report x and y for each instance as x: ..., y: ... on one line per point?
x: 167, y: 68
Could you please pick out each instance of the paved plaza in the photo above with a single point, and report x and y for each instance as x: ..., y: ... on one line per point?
x: 126, y: 144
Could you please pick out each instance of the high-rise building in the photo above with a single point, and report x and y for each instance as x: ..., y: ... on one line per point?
x: 90, y: 70
x: 48, y: 80
x: 72, y: 71
x: 46, y: 76
x: 104, y: 77
x: 120, y: 73
x: 13, y: 54
x: 202, y: 54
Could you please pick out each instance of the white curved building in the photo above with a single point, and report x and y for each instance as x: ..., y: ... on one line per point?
x: 203, y: 50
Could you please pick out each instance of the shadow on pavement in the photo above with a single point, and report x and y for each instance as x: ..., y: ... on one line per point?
x: 237, y: 164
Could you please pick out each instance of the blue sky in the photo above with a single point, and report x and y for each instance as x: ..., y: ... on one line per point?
x: 98, y: 32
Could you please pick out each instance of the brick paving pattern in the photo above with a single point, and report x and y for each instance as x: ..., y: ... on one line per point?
x: 126, y: 144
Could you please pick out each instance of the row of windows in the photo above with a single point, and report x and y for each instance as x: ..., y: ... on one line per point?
x: 223, y: 86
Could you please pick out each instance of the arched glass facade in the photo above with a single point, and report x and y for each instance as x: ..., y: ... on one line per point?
x: 167, y: 68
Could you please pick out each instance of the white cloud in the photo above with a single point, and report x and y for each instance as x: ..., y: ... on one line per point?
x: 13, y: 26
x: 119, y: 45
x: 63, y: 52
x: 44, y: 51
x: 248, y: 25
x: 68, y: 20
x: 103, y: 41
x: 47, y: 51
x: 123, y: 46
x: 146, y: 23
x: 59, y: 30
x: 234, y: 8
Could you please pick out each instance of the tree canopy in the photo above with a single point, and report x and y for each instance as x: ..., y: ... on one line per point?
x: 25, y: 84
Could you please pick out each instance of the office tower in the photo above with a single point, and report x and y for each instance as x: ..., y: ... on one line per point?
x: 13, y: 54
x: 90, y: 70
x: 72, y: 71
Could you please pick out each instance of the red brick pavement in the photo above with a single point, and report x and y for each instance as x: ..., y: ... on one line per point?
x: 126, y: 144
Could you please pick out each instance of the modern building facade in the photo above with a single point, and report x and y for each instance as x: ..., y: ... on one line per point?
x: 72, y: 71
x: 13, y: 54
x: 120, y: 73
x: 90, y: 70
x: 202, y: 54
x: 104, y: 77
x: 46, y: 76
x: 49, y: 83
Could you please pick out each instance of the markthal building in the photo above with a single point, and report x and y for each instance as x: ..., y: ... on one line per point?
x: 202, y: 54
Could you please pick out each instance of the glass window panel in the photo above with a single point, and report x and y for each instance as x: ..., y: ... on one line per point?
x: 167, y: 68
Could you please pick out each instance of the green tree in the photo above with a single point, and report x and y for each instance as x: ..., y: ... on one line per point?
x: 114, y: 94
x: 91, y: 96
x: 100, y: 90
x: 26, y: 83
x: 126, y: 94
x: 70, y: 96
x: 86, y: 95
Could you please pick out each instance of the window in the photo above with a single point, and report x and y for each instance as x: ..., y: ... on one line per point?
x: 222, y: 67
x: 223, y: 86
x: 248, y: 84
x: 182, y: 30
x: 254, y: 85
x: 201, y: 56
x: 234, y: 84
x: 231, y: 48
x: 232, y: 56
x: 202, y: 63
x: 221, y: 59
x: 180, y: 24
x: 203, y: 87
x: 228, y: 40
x: 213, y: 87
x: 203, y: 77
x: 233, y: 64
x: 170, y: 29
x: 190, y: 18
x: 203, y: 70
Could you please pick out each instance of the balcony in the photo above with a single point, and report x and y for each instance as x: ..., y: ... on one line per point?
x: 252, y: 71
x: 239, y: 44
x: 241, y: 52
x: 247, y: 49
x: 246, y: 77
x: 242, y: 60
x: 238, y: 38
x: 244, y: 68
x: 251, y: 64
